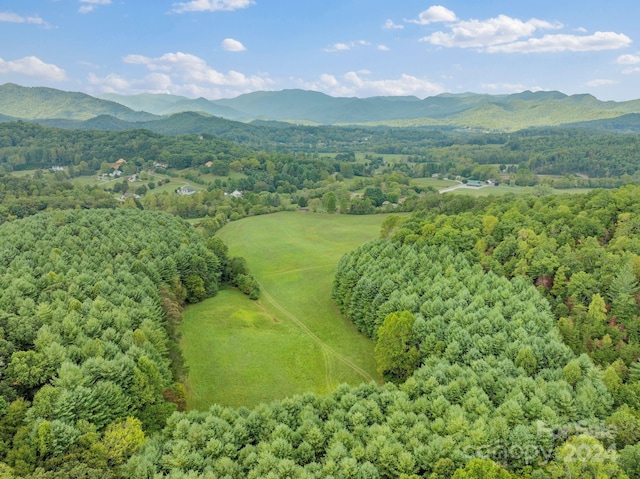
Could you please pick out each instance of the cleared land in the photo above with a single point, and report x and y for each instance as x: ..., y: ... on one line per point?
x: 293, y: 339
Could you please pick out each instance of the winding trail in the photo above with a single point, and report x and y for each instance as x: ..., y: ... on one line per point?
x: 299, y: 270
x: 326, y: 349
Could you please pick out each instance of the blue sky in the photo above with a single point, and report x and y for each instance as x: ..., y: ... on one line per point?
x: 222, y: 48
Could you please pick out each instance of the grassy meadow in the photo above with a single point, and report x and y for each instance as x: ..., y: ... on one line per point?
x: 293, y: 339
x: 437, y: 183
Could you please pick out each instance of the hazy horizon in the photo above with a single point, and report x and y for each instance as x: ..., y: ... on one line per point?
x: 345, y: 48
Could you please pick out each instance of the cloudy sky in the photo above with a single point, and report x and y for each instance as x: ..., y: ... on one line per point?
x: 222, y: 48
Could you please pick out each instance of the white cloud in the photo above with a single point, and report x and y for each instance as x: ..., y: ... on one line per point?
x: 186, y: 74
x: 628, y: 59
x: 112, y: 83
x: 389, y: 25
x: 329, y: 80
x: 601, y: 82
x: 91, y: 5
x: 434, y: 14
x: 10, y: 17
x: 383, y: 48
x: 33, y: 67
x: 343, y: 47
x: 338, y: 47
x: 565, y: 43
x: 504, y: 34
x: 628, y: 71
x: 210, y: 5
x: 231, y: 45
x: 485, y: 33
x: 353, y: 84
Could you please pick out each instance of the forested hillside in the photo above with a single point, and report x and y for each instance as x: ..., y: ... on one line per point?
x: 496, y: 383
x: 581, y: 157
x: 582, y: 252
x: 39, y: 102
x: 438, y: 290
x: 467, y: 110
x: 21, y: 197
x: 25, y: 145
x: 88, y: 355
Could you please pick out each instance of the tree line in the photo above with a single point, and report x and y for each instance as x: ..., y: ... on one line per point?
x: 89, y: 305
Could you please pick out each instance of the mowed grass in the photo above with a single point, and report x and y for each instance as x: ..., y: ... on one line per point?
x: 239, y: 354
x: 517, y: 190
x: 434, y: 182
x: 489, y: 190
x: 293, y: 339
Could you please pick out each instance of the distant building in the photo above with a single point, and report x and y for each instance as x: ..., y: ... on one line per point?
x: 185, y: 191
x: 113, y: 174
x: 126, y: 196
x: 236, y: 194
x: 57, y: 168
x: 209, y: 164
x: 475, y: 183
x: 160, y: 165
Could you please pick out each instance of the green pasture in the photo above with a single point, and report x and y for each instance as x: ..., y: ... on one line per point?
x: 434, y: 182
x: 517, y: 190
x: 387, y: 157
x: 22, y: 173
x: 293, y: 339
x: 241, y: 354
x: 489, y: 190
x: 568, y: 191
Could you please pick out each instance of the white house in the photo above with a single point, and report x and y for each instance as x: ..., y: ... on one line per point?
x: 185, y: 191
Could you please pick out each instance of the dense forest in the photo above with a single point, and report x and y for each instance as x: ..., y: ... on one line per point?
x: 89, y: 302
x: 582, y: 252
x: 448, y: 283
x: 21, y: 197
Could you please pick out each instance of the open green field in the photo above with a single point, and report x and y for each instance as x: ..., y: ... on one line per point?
x: 518, y: 190
x: 293, y: 339
x: 387, y: 157
x: 569, y: 191
x: 435, y: 182
x: 21, y: 173
x: 489, y: 190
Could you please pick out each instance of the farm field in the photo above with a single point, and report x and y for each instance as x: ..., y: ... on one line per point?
x: 387, y: 157
x: 488, y: 190
x: 293, y: 339
x: 518, y: 190
x: 434, y: 182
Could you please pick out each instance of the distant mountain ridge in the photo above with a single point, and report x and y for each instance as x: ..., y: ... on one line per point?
x: 467, y: 110
x: 39, y: 102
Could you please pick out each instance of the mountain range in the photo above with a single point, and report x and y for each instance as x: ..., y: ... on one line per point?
x: 166, y: 113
